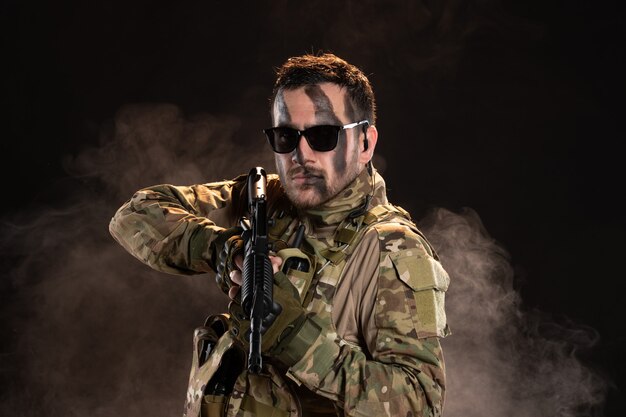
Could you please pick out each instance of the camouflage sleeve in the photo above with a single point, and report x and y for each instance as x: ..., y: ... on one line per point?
x: 171, y: 228
x: 402, y: 373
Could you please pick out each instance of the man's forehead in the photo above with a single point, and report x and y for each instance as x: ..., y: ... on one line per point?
x: 322, y: 98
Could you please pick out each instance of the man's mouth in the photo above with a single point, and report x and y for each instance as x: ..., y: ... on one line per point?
x: 305, y: 177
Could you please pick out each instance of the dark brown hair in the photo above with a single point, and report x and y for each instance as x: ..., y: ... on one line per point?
x: 314, y: 69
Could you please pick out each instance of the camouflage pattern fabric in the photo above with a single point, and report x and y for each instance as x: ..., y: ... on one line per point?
x: 173, y: 229
x: 201, y: 373
x: 266, y: 394
x: 405, y: 375
x: 398, y: 369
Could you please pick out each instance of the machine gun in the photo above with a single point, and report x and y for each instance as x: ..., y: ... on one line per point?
x: 256, y: 289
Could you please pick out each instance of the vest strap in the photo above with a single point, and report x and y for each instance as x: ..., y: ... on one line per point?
x: 334, y: 256
x: 346, y: 236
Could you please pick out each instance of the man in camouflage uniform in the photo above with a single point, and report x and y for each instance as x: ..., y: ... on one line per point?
x: 359, y: 332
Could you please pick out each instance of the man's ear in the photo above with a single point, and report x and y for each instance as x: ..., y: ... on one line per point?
x: 369, y: 144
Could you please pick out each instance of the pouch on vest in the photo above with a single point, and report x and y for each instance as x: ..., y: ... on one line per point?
x: 220, y: 386
x: 216, y: 363
x: 299, y: 268
x: 262, y: 395
x: 429, y: 281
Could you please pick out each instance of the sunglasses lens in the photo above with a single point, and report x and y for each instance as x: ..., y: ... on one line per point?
x: 282, y: 139
x: 322, y: 138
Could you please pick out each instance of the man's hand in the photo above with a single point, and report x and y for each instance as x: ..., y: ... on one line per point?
x: 228, y: 245
x: 278, y: 329
x: 236, y: 277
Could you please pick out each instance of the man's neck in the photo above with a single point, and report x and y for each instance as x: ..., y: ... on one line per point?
x: 348, y: 200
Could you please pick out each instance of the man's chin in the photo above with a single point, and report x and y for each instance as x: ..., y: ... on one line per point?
x: 305, y: 197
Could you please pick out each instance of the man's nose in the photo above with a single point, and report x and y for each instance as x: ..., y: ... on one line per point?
x: 303, y: 151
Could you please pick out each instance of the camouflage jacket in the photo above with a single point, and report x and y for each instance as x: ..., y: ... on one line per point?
x: 383, y: 312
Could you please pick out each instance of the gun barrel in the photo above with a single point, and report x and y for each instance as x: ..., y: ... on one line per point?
x: 257, y: 179
x: 257, y: 286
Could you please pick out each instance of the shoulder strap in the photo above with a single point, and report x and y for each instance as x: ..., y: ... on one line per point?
x: 350, y: 232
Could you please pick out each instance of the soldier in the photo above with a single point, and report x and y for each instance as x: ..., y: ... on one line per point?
x: 359, y: 330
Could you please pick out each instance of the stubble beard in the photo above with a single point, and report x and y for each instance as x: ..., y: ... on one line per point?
x: 319, y: 191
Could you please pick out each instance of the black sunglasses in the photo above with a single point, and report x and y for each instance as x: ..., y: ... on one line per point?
x: 322, y: 138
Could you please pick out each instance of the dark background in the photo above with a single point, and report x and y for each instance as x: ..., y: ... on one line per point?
x: 513, y: 109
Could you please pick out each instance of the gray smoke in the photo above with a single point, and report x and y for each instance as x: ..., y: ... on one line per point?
x: 94, y: 332
x: 501, y: 359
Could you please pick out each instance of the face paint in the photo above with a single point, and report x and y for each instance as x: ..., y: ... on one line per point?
x: 350, y: 110
x: 339, y: 158
x: 281, y: 108
x: 324, y: 110
x: 311, y: 178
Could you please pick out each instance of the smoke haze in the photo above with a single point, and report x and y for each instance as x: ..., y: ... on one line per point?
x: 94, y: 332
x: 502, y: 360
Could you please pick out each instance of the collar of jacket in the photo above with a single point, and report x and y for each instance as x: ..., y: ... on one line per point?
x: 330, y: 214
